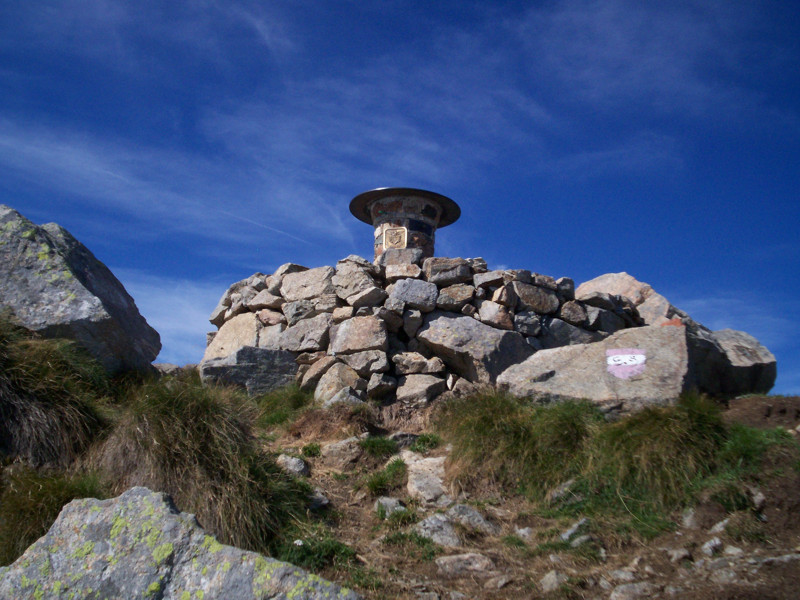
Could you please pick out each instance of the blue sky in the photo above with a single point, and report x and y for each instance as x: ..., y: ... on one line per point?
x: 191, y: 144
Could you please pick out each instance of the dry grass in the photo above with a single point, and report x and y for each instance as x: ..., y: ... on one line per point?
x: 49, y: 396
x: 196, y: 444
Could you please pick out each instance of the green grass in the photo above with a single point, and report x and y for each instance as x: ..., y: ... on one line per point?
x: 378, y: 446
x: 313, y: 547
x: 281, y: 406
x: 311, y: 450
x: 630, y: 474
x: 30, y: 501
x: 412, y: 544
x: 425, y: 443
x: 195, y: 442
x: 388, y: 478
x: 500, y: 439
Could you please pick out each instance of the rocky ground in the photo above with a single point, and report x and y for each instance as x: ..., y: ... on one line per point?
x: 496, y: 546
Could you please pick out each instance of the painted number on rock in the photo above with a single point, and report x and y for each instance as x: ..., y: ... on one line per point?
x: 625, y: 362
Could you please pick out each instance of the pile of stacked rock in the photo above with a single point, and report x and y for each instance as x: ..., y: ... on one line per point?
x: 407, y: 329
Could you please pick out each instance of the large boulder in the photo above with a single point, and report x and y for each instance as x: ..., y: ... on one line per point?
x: 55, y: 286
x: 139, y: 546
x: 717, y: 366
x: 302, y: 285
x: 258, y: 370
x: 475, y: 351
x: 750, y: 366
x: 632, y: 368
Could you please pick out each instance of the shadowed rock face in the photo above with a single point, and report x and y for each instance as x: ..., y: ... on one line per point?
x: 139, y: 546
x: 55, y: 286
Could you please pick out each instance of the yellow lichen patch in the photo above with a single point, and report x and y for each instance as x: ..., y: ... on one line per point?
x: 117, y: 526
x: 162, y: 553
x: 211, y: 544
x: 83, y: 551
x: 153, y: 588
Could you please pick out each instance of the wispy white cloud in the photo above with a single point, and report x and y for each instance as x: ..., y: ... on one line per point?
x: 177, y: 308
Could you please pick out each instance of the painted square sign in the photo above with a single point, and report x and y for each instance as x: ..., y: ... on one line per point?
x: 625, y: 362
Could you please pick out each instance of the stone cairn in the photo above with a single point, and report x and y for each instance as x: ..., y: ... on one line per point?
x: 405, y: 329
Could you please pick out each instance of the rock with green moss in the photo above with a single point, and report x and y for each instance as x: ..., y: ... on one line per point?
x: 139, y: 546
x: 52, y: 284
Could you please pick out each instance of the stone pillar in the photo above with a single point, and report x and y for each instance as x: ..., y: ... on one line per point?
x: 404, y: 217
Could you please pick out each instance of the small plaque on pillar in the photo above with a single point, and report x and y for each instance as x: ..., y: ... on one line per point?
x: 395, y: 238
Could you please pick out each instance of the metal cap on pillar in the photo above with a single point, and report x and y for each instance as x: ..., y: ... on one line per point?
x: 404, y: 217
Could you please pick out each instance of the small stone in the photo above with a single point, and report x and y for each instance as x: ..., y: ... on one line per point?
x: 679, y: 554
x: 527, y: 323
x: 315, y: 372
x: 461, y: 565
x: 264, y: 300
x: 358, y: 334
x: 293, y: 465
x: 318, y: 500
x: 415, y: 293
x: 711, y: 547
x: 419, y: 388
x: 496, y: 315
x: 308, y: 284
x: 425, y: 478
x: 566, y: 287
x: 488, y: 279
x: 526, y: 533
x: 412, y: 321
x: 402, y: 271
x: 576, y: 527
x: 622, y: 575
x: 719, y: 527
x: 336, y: 377
x: 270, y: 317
x: 552, y: 581
x: 388, y: 506
x: 732, y: 551
x: 372, y: 296
x: 580, y: 541
x: 446, y: 271
x: 439, y: 529
x: 345, y: 396
x: 470, y: 518
x: 380, y: 385
x: 367, y: 362
x: 632, y: 591
x: 455, y: 297
x: 342, y: 454
x: 411, y: 363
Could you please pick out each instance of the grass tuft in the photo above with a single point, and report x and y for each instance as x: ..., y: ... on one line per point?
x: 282, y: 405
x: 388, y: 478
x: 51, y: 393
x: 195, y: 443
x: 378, y: 446
x: 425, y: 443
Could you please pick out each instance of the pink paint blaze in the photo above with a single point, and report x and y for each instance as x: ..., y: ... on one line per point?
x: 624, y: 363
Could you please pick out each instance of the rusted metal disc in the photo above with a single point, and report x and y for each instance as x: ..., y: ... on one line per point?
x: 359, y: 205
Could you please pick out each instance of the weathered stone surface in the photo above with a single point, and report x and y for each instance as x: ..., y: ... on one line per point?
x: 346, y: 395
x: 556, y: 333
x: 471, y: 564
x: 308, y: 335
x: 412, y: 321
x: 599, y: 319
x: 270, y: 317
x: 573, y: 313
x: 652, y: 307
x: 496, y: 315
x: 583, y: 371
x: 521, y: 275
x: 454, y: 297
x: 380, y: 385
x: 315, y: 373
x: 270, y: 337
x: 478, y: 264
x: 544, y: 281
x: 410, y: 363
x: 527, y: 323
x: 566, y: 287
x: 343, y: 313
x: 552, y: 581
x: 386, y: 506
x: 293, y: 465
x: 632, y: 591
x: 258, y: 370
x: 96, y: 549
x: 402, y: 271
x: 54, y: 285
x: 343, y: 454
x: 439, y: 529
x: 242, y: 330
x: 371, y: 296
x: 475, y: 351
x: 506, y: 296
x: 398, y: 256
x: 602, y: 300
x: 751, y: 367
x: 264, y: 300
x: 415, y: 293
x: 359, y: 334
x: 335, y: 378
x: 298, y: 310
x: 425, y: 478
x: 446, y: 271
x: 353, y: 276
x: 419, y: 388
x: 469, y: 518
x: 367, y: 362
x: 535, y: 298
x: 488, y: 279
x: 304, y: 285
